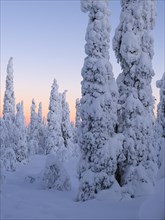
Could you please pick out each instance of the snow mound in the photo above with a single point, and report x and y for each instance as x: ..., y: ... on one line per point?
x: 140, y: 185
x: 154, y: 207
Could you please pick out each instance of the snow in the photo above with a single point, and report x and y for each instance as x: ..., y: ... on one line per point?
x: 115, y: 174
x: 23, y: 200
x: 151, y: 209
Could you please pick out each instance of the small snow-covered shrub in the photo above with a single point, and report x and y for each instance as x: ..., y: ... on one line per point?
x: 9, y: 161
x: 136, y: 181
x: 55, y: 175
x: 87, y: 186
x: 92, y: 183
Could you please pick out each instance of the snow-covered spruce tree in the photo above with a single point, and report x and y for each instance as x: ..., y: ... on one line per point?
x: 33, y: 130
x: 9, y: 161
x: 77, y: 121
x: 160, y: 128
x: 133, y: 46
x: 98, y: 106
x: 9, y: 99
x: 8, y: 121
x: 54, y: 140
x: 21, y: 138
x: 66, y: 125
x: 40, y: 113
x: 41, y: 131
x: 78, y: 116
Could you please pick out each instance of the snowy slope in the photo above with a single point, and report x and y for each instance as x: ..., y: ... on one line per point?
x: 21, y: 199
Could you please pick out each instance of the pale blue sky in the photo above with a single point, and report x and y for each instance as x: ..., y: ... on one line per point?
x: 46, y: 40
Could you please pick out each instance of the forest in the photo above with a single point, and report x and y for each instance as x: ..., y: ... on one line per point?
x: 113, y: 155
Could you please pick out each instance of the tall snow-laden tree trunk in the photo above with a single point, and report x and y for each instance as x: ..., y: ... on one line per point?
x: 66, y: 125
x: 78, y: 116
x: 98, y: 105
x: 41, y: 131
x: 77, y: 121
x: 33, y: 130
x: 133, y: 46
x: 20, y: 131
x: 8, y: 121
x: 54, y: 140
x: 9, y: 99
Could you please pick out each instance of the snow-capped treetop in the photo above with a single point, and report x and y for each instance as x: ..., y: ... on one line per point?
x: 20, y: 119
x: 10, y: 66
x: 78, y: 116
x: 54, y: 95
x: 33, y: 108
x: 132, y: 32
x: 66, y: 125
x: 97, y: 35
x: 161, y: 84
x: 145, y: 14
x: 54, y: 114
x: 133, y: 46
x: 40, y: 113
x: 54, y: 140
x: 64, y: 95
x: 33, y: 119
x: 9, y: 99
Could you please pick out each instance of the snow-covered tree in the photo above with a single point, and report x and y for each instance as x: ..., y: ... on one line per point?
x: 55, y: 175
x: 33, y: 130
x: 9, y: 99
x: 133, y: 46
x: 8, y: 121
x: 40, y: 113
x: 54, y: 141
x: 78, y: 116
x: 98, y: 105
x: 41, y: 131
x: 77, y: 121
x: 9, y: 161
x: 65, y: 123
x: 20, y: 134
x: 160, y: 127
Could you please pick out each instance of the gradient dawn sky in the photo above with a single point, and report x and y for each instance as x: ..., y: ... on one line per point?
x: 46, y: 40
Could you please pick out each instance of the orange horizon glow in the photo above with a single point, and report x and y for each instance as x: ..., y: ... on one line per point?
x: 71, y: 108
x: 44, y: 111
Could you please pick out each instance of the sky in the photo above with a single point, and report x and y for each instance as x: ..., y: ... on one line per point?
x: 46, y: 40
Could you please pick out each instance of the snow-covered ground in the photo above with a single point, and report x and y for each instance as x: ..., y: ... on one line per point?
x: 21, y: 199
